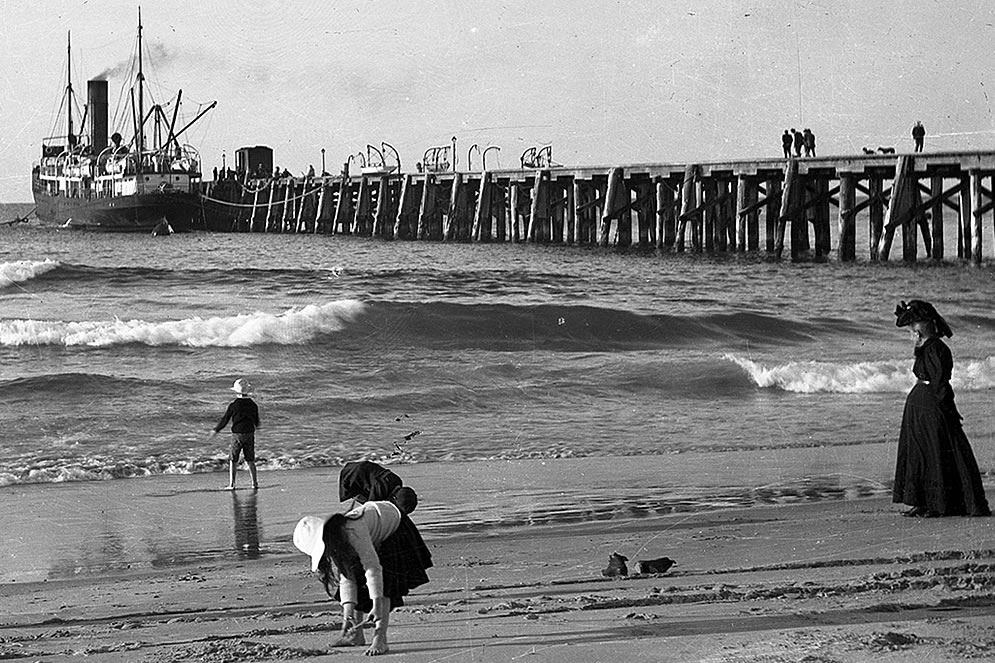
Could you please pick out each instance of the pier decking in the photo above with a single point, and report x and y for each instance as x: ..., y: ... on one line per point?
x: 812, y: 206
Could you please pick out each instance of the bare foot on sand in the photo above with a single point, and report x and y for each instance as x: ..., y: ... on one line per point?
x: 229, y: 487
x: 378, y: 646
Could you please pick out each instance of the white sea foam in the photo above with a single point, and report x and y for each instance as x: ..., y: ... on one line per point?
x: 297, y: 325
x: 19, y: 271
x: 864, y: 377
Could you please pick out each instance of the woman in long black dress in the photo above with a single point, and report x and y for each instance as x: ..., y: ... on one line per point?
x: 936, y: 473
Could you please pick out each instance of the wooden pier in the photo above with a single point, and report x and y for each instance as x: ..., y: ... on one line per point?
x: 814, y: 206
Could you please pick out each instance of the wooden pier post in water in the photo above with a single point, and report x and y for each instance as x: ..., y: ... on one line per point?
x: 689, y: 201
x: 645, y: 208
x: 847, y: 251
x: 383, y: 213
x: 405, y: 224
x: 875, y: 212
x: 615, y: 185
x: 513, y: 213
x: 936, y: 193
x: 362, y: 220
x: 559, y: 196
x: 580, y: 215
x: 568, y: 211
x: 622, y: 214
x: 499, y: 205
x: 452, y: 230
x: 253, y: 227
x: 666, y: 230
x: 976, y: 214
x: 343, y: 204
x: 539, y: 209
x: 301, y: 205
x: 964, y: 218
x: 727, y: 224
x: 707, y: 213
x: 821, y: 216
x: 789, y: 205
x: 269, y: 206
x: 742, y: 193
x: 483, y: 214
x: 772, y: 213
x: 801, y: 218
x: 287, y: 213
x: 319, y: 213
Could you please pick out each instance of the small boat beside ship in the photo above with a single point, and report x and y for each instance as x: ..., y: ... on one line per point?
x: 87, y: 179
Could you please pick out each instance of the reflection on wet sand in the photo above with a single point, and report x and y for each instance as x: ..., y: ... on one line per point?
x: 246, y: 523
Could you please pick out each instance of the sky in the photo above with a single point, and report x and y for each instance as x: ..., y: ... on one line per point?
x: 603, y: 83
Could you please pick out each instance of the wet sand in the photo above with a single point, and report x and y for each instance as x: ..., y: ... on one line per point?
x: 173, y: 569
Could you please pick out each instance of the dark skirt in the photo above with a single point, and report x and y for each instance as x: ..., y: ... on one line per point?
x: 404, y: 558
x: 936, y: 469
x: 368, y: 481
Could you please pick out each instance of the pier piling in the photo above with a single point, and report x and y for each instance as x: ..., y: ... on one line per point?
x: 701, y: 207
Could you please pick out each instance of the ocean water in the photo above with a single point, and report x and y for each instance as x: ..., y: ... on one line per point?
x: 117, y: 351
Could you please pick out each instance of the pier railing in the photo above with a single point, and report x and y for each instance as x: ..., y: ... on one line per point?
x: 811, y: 206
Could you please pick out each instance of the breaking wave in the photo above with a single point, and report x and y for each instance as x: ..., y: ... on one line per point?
x: 294, y: 326
x: 808, y: 377
x: 19, y: 271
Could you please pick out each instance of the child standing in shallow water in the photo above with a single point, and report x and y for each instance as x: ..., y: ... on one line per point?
x: 244, y: 416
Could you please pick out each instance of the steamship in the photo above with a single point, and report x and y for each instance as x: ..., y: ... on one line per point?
x: 150, y: 182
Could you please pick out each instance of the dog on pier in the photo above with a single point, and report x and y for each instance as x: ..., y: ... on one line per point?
x: 868, y: 150
x: 886, y: 150
x: 616, y: 566
x: 658, y: 565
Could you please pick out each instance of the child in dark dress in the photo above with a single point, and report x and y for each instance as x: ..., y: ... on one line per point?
x: 364, y: 481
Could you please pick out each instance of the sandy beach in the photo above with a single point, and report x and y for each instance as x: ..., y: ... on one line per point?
x: 171, y: 568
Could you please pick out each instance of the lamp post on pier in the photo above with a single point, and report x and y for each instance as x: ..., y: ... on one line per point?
x: 323, y: 171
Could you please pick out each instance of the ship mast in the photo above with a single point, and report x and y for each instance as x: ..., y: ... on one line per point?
x: 140, y: 137
x: 69, y: 87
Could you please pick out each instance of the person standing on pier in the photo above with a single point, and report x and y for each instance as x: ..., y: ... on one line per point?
x: 935, y: 472
x: 786, y: 141
x: 809, y: 143
x: 918, y: 135
x: 799, y: 142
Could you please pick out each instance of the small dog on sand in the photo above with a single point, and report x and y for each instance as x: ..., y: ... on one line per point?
x: 886, y: 150
x: 616, y: 566
x: 659, y: 565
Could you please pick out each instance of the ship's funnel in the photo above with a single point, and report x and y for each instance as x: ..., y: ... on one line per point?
x: 97, y: 99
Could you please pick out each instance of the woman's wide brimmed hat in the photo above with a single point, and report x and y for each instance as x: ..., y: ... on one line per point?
x: 242, y: 387
x: 918, y: 310
x: 308, y: 539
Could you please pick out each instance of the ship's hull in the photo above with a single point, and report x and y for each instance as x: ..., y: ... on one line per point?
x: 131, y: 213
